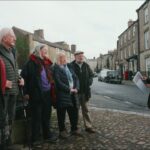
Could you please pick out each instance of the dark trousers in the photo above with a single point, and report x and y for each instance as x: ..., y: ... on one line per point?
x: 41, y: 113
x: 73, y: 116
x: 9, y: 114
x: 10, y: 106
x: 2, y: 121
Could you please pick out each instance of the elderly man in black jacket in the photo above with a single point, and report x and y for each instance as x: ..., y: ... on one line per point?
x: 85, y: 75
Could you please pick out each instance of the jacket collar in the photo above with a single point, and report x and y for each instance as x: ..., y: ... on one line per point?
x: 4, y: 52
x: 37, y: 60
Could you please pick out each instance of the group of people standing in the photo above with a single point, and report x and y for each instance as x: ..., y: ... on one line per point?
x: 66, y: 86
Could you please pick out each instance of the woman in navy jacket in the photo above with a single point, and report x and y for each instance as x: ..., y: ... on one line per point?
x: 67, y: 86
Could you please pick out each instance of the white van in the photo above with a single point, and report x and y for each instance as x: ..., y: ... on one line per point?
x: 102, y: 76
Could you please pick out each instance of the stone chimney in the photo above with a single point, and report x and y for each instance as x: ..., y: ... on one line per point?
x: 73, y: 48
x: 130, y: 22
x: 31, y: 43
x: 39, y: 33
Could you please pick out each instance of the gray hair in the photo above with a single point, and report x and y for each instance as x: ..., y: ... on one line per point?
x: 4, y: 32
x: 58, y: 56
x: 37, y: 49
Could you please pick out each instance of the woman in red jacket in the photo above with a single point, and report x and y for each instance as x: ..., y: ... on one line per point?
x: 2, y: 76
x: 2, y: 90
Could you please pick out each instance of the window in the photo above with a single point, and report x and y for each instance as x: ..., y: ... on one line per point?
x: 125, y: 38
x: 146, y: 39
x: 133, y: 31
x: 121, y: 41
x: 135, y: 65
x: 129, y: 34
x: 134, y: 52
x: 130, y: 65
x: 125, y: 53
x: 129, y: 49
x: 146, y: 15
x: 148, y: 66
x: 121, y: 54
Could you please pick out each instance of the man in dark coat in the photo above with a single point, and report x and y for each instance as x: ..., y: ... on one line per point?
x: 85, y: 75
x: 7, y: 53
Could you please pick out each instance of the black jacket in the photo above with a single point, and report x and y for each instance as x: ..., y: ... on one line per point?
x: 32, y: 78
x: 64, y: 97
x: 85, y: 76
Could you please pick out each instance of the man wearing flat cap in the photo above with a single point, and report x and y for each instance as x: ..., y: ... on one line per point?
x: 85, y: 75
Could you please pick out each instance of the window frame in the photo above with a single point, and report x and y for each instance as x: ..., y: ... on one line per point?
x: 146, y: 15
x: 146, y: 39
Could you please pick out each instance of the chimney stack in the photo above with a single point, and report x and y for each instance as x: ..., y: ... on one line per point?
x: 39, y: 33
x: 130, y: 22
x: 73, y: 48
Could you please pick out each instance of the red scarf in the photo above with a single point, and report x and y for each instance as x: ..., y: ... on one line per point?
x: 39, y: 61
x: 43, y: 62
x: 2, y: 76
x: 46, y: 63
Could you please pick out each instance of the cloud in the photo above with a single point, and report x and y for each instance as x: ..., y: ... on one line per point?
x: 94, y: 26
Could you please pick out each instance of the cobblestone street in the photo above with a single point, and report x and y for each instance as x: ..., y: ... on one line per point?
x: 115, y: 130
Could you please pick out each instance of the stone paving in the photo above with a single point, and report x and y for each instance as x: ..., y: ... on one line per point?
x: 115, y: 131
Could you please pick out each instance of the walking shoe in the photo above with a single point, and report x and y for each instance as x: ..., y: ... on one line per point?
x: 76, y: 133
x: 37, y: 144
x: 90, y: 130
x: 13, y: 147
x: 63, y: 134
x: 52, y: 138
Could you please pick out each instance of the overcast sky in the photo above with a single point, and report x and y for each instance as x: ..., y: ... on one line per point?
x: 94, y: 26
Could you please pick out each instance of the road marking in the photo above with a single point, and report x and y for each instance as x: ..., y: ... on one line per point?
x: 144, y: 114
x: 127, y: 102
x: 107, y: 97
x: 92, y: 105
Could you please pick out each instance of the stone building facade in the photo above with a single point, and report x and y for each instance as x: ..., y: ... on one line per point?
x: 104, y: 61
x: 144, y: 36
x: 93, y: 64
x: 133, y: 46
x: 108, y: 61
x: 26, y: 41
x: 127, y: 47
x: 114, y: 59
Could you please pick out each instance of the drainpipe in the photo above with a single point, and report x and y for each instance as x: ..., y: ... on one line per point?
x: 138, y: 57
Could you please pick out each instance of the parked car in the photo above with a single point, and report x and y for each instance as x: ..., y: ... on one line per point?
x: 95, y: 74
x: 102, y: 76
x: 110, y: 76
x: 114, y: 77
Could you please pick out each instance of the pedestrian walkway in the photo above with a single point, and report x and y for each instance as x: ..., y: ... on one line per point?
x: 128, y: 82
x: 115, y: 130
